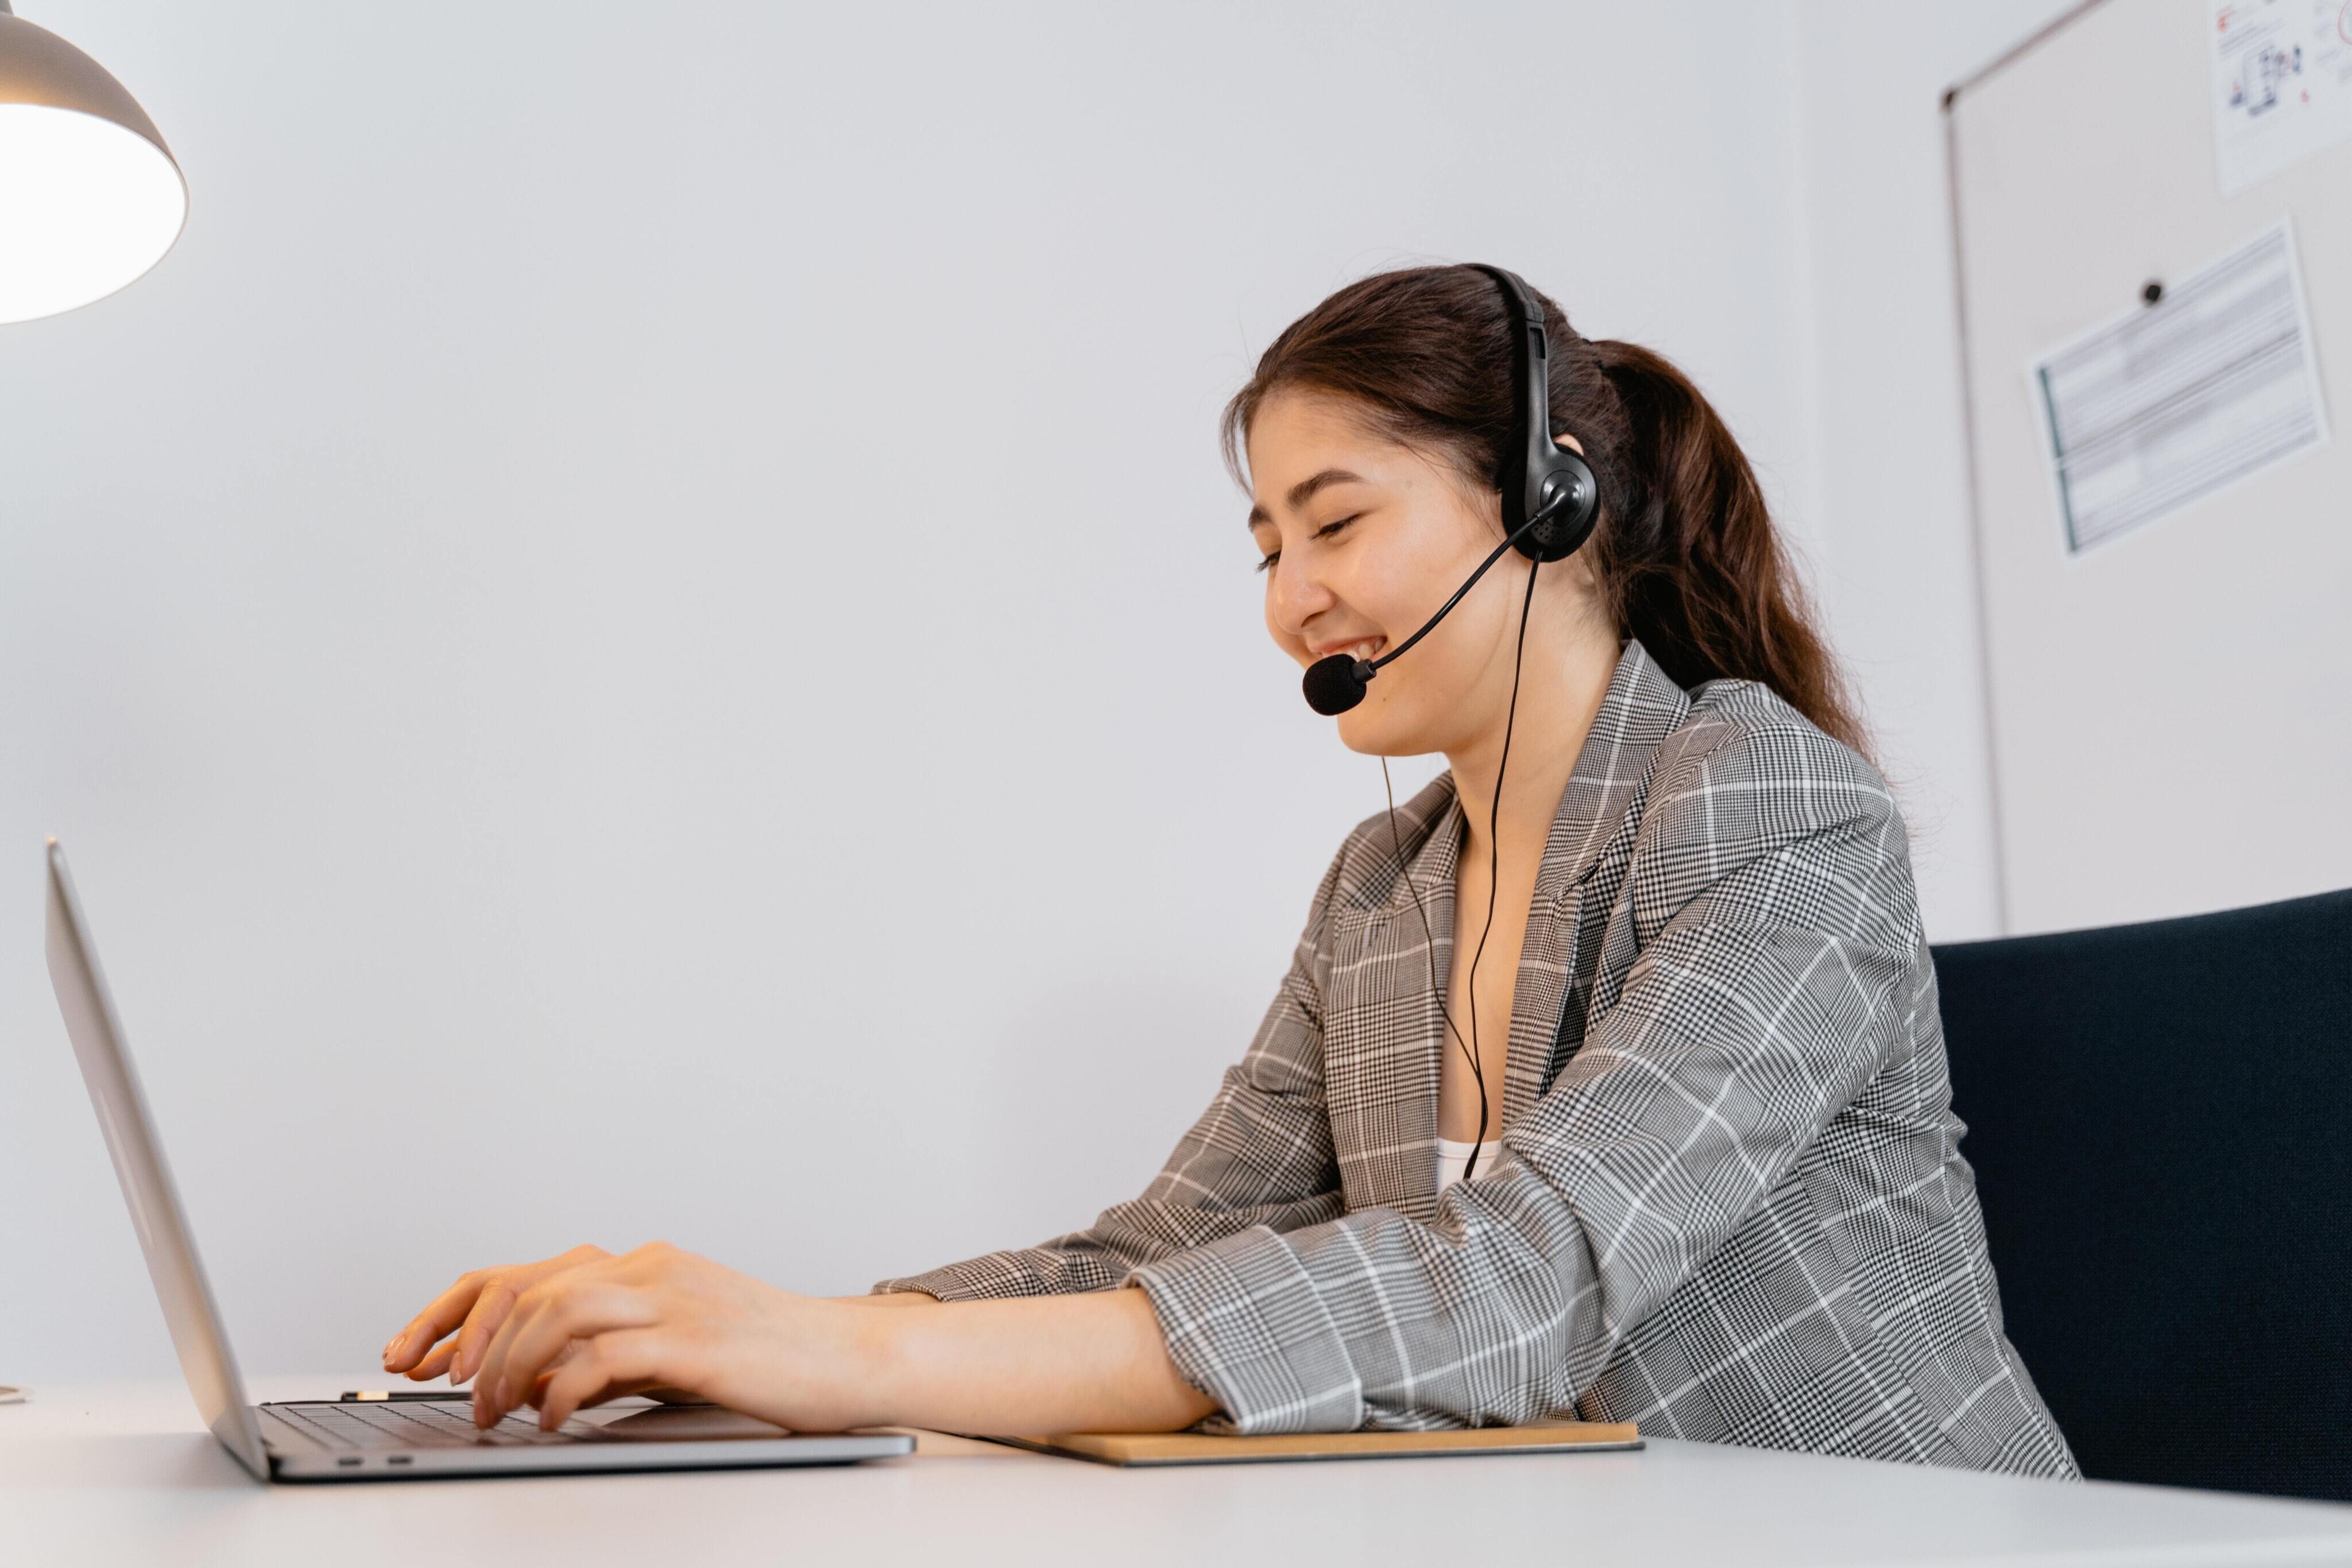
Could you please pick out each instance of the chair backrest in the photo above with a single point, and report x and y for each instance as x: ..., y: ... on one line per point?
x: 2161, y: 1121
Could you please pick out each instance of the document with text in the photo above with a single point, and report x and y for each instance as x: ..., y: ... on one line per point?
x: 2170, y: 401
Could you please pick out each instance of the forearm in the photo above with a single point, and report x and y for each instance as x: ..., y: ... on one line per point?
x: 1094, y: 1363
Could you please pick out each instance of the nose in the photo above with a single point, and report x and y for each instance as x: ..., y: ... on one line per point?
x: 1295, y: 595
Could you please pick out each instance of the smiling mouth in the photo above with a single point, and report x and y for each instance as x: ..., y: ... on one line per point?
x: 1365, y: 649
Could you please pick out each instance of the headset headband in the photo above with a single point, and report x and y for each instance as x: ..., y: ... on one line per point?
x: 1538, y: 476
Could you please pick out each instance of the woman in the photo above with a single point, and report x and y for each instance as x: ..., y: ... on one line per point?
x: 1672, y: 1141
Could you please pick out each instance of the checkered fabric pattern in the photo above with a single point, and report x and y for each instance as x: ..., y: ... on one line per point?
x: 1731, y: 1205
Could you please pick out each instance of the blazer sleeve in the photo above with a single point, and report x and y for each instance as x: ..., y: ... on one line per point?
x: 1765, y: 996
x: 1260, y: 1157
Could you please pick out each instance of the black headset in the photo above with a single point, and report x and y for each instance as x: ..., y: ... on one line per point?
x: 1549, y: 496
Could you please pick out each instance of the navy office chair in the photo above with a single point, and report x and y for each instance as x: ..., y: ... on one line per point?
x: 2160, y: 1120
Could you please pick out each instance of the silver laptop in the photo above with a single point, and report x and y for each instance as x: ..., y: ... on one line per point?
x: 361, y: 1439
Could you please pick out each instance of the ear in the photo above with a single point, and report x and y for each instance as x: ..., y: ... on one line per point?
x: 1571, y: 443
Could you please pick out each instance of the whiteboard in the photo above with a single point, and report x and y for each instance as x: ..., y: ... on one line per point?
x: 2170, y: 712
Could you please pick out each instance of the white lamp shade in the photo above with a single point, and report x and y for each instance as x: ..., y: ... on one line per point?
x: 90, y: 196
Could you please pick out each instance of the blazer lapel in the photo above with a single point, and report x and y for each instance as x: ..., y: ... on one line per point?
x: 1383, y: 1032
x: 1383, y: 1036
x: 1594, y: 825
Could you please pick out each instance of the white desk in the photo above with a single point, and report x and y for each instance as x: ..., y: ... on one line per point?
x: 124, y: 1473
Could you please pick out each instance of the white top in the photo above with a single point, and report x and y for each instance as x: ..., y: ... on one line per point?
x: 1452, y: 1156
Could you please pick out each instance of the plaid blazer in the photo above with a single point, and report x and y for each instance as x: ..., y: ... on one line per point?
x: 1731, y: 1204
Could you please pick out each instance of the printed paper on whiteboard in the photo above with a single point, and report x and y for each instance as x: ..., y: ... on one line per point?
x: 2169, y: 402
x: 2281, y: 83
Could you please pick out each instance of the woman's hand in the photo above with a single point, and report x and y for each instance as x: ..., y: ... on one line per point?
x: 660, y: 1317
x: 478, y: 1305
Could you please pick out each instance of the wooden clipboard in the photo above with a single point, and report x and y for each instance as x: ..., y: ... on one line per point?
x: 1136, y: 1448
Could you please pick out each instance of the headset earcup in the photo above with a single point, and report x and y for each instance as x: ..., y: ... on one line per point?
x: 1563, y: 535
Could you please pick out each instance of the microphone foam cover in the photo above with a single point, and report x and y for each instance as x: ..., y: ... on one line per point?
x: 1335, y: 684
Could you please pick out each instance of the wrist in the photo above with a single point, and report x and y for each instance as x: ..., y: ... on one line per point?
x: 876, y: 1364
x: 818, y: 1366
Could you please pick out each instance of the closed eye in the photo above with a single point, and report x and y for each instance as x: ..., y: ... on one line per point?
x: 1325, y: 532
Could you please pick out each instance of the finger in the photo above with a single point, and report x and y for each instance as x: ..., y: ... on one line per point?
x: 622, y: 1389
x: 482, y: 1323
x: 432, y: 1365
x: 577, y: 1304
x: 495, y: 1393
x: 447, y: 1311
x: 611, y: 1365
x: 578, y: 1312
x: 579, y: 1347
x: 489, y: 1378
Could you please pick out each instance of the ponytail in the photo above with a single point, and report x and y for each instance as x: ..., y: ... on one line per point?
x: 1685, y: 550
x: 1688, y: 556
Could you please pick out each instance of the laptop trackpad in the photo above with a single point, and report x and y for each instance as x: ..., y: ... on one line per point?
x: 684, y: 1423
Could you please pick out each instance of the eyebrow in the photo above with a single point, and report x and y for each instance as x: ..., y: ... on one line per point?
x: 1304, y: 491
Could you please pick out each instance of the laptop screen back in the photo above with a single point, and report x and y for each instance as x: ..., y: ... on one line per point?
x: 163, y: 1226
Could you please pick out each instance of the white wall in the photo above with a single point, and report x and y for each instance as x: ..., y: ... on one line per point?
x: 1893, y: 546
x: 640, y: 633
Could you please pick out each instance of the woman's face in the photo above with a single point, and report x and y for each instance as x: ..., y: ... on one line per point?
x: 1363, y: 540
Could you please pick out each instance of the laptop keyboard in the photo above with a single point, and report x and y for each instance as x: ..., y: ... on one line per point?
x: 416, y: 1424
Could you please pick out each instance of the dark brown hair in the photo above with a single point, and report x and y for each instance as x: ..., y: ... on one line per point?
x: 1684, y: 550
